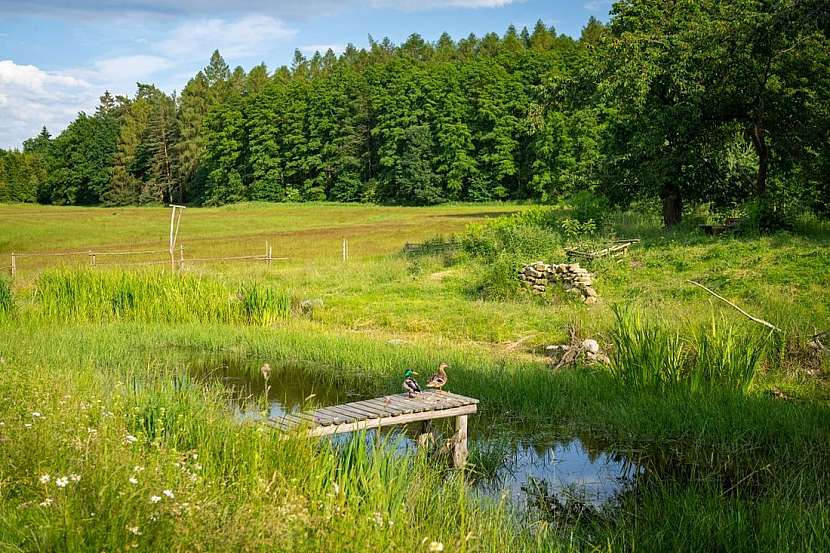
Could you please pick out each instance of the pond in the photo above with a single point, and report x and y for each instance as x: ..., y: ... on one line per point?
x: 543, y: 471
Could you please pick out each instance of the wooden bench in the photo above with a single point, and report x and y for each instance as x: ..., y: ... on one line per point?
x: 386, y: 411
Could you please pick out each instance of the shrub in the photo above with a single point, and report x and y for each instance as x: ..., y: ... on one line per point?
x: 588, y: 206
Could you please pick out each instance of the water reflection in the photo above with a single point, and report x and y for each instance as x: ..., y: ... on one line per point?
x: 546, y: 474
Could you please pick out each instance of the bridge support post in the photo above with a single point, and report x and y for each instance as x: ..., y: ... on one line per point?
x: 459, y: 454
x: 426, y: 438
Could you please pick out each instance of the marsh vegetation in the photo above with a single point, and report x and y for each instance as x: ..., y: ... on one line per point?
x: 131, y: 401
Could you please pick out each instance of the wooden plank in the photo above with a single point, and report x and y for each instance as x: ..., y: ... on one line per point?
x: 362, y: 407
x: 408, y: 405
x: 391, y: 420
x: 386, y: 405
x: 325, y: 417
x: 436, y: 400
x: 291, y: 421
x: 350, y: 412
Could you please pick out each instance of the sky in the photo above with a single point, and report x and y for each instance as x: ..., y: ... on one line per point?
x: 58, y: 56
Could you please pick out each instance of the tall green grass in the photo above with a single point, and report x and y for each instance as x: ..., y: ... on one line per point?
x: 6, y: 299
x: 649, y: 355
x: 156, y: 297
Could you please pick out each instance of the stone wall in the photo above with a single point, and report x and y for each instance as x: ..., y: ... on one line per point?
x: 576, y: 280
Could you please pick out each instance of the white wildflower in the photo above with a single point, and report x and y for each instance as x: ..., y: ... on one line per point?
x: 138, y: 468
x: 62, y: 482
x: 46, y: 502
x: 131, y: 439
x: 75, y: 477
x: 336, y: 487
x: 436, y: 546
x: 168, y: 493
x: 134, y: 530
x: 154, y: 499
x: 133, y: 480
x: 44, y: 478
x: 27, y: 424
x: 36, y: 414
x: 378, y: 518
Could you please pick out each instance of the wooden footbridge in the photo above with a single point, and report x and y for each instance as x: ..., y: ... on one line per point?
x: 387, y: 411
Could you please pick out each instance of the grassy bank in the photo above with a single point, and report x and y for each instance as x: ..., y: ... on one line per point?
x: 727, y: 422
x: 714, y: 456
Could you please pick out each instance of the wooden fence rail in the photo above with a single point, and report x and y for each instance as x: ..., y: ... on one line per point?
x: 268, y: 257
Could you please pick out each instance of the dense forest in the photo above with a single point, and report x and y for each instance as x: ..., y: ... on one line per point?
x: 724, y: 102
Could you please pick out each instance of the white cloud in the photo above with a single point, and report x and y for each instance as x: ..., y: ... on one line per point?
x: 322, y: 48
x: 132, y: 68
x: 196, y: 39
x: 31, y: 98
x: 120, y: 74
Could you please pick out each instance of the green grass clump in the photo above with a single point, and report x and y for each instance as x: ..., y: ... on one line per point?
x: 725, y: 357
x: 6, y: 299
x: 156, y: 297
x: 648, y: 355
x: 645, y: 354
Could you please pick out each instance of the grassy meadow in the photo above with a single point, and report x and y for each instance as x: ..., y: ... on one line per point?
x: 108, y: 443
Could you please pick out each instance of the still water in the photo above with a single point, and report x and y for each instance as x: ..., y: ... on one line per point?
x: 549, y: 469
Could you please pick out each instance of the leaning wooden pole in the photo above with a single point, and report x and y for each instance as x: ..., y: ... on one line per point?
x: 14, y: 265
x: 744, y: 313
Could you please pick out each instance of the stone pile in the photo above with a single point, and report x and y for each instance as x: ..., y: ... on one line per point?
x: 539, y: 275
x: 587, y: 352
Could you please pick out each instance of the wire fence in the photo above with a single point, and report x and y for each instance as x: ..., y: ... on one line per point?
x: 176, y: 258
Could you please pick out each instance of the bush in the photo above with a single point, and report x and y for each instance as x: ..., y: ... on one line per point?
x: 497, y: 279
x: 527, y: 235
x: 588, y: 206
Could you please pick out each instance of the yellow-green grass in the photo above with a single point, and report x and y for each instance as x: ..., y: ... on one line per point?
x: 302, y: 232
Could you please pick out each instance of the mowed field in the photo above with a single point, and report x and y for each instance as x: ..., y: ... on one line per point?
x: 309, y: 231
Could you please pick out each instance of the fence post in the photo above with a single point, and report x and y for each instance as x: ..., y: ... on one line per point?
x: 345, y: 250
x: 92, y: 258
x: 14, y: 265
x: 181, y: 257
x: 270, y: 253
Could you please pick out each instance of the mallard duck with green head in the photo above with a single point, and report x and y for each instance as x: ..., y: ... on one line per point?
x: 439, y: 379
x: 410, y: 385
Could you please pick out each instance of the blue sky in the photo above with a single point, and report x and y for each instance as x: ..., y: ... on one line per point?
x: 58, y: 56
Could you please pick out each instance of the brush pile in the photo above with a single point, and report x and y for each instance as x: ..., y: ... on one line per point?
x: 539, y: 275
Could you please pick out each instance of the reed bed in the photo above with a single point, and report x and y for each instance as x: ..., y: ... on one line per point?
x: 717, y: 356
x: 156, y: 297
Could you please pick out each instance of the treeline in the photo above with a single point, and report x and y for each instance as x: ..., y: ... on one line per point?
x: 690, y: 101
